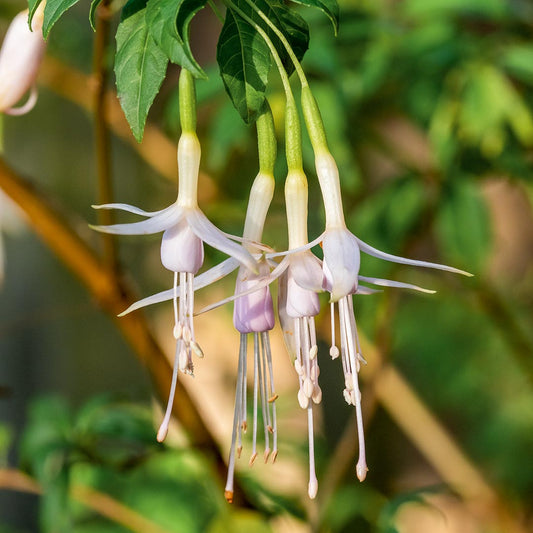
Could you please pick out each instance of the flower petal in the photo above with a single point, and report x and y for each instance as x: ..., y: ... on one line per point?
x: 306, y: 270
x: 395, y: 284
x: 307, y: 246
x: 203, y: 280
x: 276, y: 273
x: 341, y: 262
x: 253, y: 313
x: 181, y: 249
x: 362, y: 290
x: 210, y: 234
x: 300, y: 302
x: 160, y: 222
x: 132, y: 209
x: 404, y: 261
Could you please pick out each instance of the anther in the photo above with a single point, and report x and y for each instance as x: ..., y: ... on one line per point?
x: 252, y: 459
x: 195, y: 347
x: 313, y: 351
x: 272, y: 399
x: 303, y: 400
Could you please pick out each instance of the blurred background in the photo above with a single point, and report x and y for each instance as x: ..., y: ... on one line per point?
x: 428, y: 106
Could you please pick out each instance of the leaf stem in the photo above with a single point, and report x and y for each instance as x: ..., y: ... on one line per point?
x: 271, y: 47
x: 284, y: 41
x: 216, y: 11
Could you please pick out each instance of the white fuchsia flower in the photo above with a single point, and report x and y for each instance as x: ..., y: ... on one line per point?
x: 253, y: 315
x: 20, y: 58
x: 340, y: 265
x: 185, y: 229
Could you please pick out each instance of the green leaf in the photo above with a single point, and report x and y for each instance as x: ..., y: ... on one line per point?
x: 32, y: 7
x: 244, y: 62
x: 53, y: 11
x: 244, y: 58
x: 140, y: 66
x: 169, y: 22
x: 329, y: 7
x: 92, y: 13
x: 463, y: 226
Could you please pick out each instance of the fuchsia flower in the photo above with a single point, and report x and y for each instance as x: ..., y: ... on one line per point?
x: 20, y: 58
x: 185, y: 229
x: 253, y: 315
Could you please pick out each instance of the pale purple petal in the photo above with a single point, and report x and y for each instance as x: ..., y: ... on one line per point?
x: 300, y: 302
x: 253, y: 313
x: 276, y: 273
x: 395, y: 284
x: 211, y: 235
x: 181, y: 249
x: 306, y: 269
x: 286, y: 322
x: 367, y: 249
x: 341, y: 262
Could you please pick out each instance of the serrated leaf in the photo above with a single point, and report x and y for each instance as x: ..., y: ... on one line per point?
x: 92, y: 12
x: 169, y: 22
x: 32, y: 8
x: 244, y: 57
x: 329, y: 7
x: 140, y: 66
x: 53, y: 11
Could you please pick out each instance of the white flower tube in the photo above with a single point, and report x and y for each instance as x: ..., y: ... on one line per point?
x: 20, y: 59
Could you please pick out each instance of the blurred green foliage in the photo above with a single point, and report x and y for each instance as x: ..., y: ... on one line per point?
x: 425, y: 102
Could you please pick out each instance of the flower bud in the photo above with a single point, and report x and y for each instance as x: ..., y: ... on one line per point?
x: 20, y: 58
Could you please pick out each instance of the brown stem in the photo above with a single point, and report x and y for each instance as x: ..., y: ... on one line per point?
x: 102, y: 137
x: 100, y: 502
x: 113, y: 296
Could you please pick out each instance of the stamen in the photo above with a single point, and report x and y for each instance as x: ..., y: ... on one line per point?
x: 272, y: 394
x: 346, y: 311
x: 333, y: 351
x: 313, y: 482
x: 228, y: 492
x: 256, y: 393
x: 175, y: 304
x: 163, y: 428
x: 262, y: 391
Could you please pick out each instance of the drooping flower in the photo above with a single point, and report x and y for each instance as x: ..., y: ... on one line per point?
x: 340, y: 265
x: 20, y: 58
x: 298, y: 304
x: 185, y: 229
x: 253, y: 316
